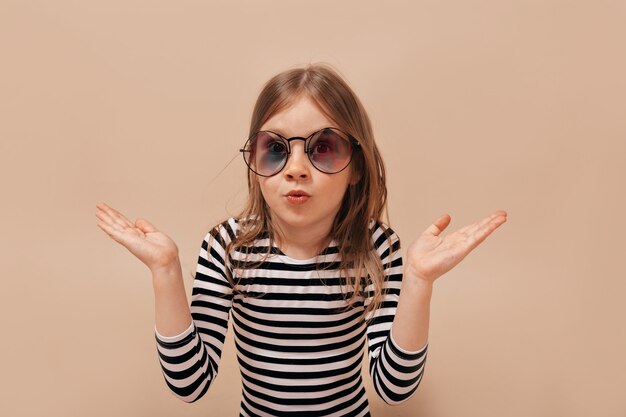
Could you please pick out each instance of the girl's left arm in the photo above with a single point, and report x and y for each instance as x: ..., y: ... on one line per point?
x: 428, y: 258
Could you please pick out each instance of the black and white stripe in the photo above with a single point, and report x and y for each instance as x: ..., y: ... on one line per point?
x: 299, y: 348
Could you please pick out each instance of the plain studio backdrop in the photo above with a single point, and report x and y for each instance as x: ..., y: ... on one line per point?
x: 476, y: 106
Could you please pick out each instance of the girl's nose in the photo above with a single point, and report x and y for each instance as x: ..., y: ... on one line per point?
x: 298, y: 163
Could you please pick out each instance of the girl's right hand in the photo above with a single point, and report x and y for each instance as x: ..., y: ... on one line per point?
x: 142, y: 239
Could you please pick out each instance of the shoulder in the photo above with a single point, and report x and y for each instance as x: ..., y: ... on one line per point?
x: 385, y: 241
x: 382, y: 233
x: 230, y: 229
x: 223, y: 233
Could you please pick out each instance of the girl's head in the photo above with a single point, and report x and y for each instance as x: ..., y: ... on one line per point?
x: 365, y: 196
x: 296, y: 103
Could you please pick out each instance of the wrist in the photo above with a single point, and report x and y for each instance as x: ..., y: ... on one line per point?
x: 167, y: 271
x: 416, y: 284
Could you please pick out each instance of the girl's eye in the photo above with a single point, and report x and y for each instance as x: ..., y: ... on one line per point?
x: 321, y: 147
x: 276, y: 147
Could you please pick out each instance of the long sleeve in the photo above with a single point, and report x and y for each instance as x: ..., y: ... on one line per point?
x: 396, y: 373
x: 190, y: 360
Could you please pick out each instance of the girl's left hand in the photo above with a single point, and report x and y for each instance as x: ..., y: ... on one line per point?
x: 431, y: 255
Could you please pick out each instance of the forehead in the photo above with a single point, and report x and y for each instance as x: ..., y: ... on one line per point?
x: 300, y: 118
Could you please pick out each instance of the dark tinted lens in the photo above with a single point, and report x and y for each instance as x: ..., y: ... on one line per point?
x: 330, y: 150
x: 266, y: 153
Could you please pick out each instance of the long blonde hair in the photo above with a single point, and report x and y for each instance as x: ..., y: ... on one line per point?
x: 365, y: 199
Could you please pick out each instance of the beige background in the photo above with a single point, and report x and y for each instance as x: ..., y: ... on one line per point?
x: 477, y: 106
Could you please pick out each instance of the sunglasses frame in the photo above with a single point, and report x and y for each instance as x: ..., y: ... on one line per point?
x: 353, y: 142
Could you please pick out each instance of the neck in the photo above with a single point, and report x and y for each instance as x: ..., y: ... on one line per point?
x: 302, y: 242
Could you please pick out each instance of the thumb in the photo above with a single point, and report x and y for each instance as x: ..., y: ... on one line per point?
x: 145, y: 226
x: 439, y: 225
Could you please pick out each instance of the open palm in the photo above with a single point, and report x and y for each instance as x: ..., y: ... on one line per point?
x: 142, y: 239
x: 432, y: 255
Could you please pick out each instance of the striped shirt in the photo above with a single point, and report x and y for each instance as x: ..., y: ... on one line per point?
x: 299, y: 349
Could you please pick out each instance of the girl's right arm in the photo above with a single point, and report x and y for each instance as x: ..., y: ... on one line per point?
x: 160, y: 254
x: 189, y: 350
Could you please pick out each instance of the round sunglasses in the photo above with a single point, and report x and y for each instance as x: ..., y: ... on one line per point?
x: 329, y: 150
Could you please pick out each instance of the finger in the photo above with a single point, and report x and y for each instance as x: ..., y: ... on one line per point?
x: 481, y: 234
x: 111, y: 231
x: 472, y: 228
x: 116, y: 215
x: 145, y: 226
x: 110, y: 217
x: 129, y: 238
x: 439, y: 225
x: 105, y: 218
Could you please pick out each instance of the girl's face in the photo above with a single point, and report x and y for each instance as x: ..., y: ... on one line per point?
x: 302, y: 199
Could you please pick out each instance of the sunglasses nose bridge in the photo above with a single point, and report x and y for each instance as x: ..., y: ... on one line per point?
x: 296, y: 138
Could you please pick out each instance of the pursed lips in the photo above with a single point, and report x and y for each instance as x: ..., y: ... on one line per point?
x: 297, y: 197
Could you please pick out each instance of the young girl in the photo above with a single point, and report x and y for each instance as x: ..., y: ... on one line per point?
x: 307, y: 272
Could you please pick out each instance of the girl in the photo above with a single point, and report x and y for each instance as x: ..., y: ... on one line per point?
x: 307, y: 272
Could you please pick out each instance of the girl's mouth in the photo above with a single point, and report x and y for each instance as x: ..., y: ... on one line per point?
x: 297, y: 197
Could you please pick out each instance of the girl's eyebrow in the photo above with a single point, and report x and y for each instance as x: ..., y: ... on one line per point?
x: 282, y: 132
